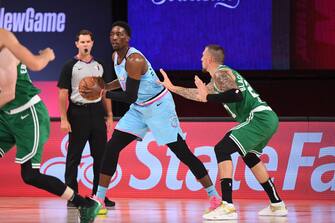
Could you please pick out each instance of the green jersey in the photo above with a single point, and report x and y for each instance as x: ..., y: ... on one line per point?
x: 240, y: 110
x: 24, y: 90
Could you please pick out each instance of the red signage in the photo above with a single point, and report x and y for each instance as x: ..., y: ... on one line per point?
x: 313, y: 41
x: 300, y: 159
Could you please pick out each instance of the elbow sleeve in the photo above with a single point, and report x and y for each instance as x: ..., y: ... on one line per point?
x: 230, y: 96
x: 128, y: 96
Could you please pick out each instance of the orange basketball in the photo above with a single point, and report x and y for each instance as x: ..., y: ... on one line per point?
x: 95, y: 84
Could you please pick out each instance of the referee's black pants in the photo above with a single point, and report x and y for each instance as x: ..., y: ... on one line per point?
x: 87, y: 124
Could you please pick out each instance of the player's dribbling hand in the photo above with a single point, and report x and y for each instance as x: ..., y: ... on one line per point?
x: 202, y: 89
x: 49, y: 53
x: 166, y: 82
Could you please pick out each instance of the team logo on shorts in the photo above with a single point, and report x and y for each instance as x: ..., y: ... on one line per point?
x: 174, y: 121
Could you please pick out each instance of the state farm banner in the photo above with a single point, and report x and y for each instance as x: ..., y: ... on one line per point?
x: 300, y: 159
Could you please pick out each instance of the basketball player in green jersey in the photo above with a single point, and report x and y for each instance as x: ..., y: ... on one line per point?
x: 257, y: 124
x: 25, y: 122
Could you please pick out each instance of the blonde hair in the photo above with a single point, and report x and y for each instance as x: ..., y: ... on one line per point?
x: 217, y: 52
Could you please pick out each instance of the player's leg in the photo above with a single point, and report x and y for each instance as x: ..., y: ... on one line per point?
x: 277, y: 206
x: 88, y: 208
x: 184, y: 154
x: 118, y: 141
x: 163, y: 122
x: 31, y: 134
x: 261, y: 129
x: 129, y: 128
x: 7, y: 140
x: 110, y: 159
x: 223, y: 151
x: 33, y: 177
x: 259, y: 170
x: 97, y: 141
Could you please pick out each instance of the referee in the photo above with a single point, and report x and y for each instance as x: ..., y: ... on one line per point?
x: 84, y: 120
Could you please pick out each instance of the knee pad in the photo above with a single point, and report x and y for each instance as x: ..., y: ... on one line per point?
x: 221, y: 155
x: 184, y: 154
x: 29, y: 175
x: 225, y: 148
x: 45, y: 182
x: 251, y: 160
x: 114, y: 146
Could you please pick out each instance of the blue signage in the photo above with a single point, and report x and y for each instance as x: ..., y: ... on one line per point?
x: 54, y: 24
x: 173, y: 33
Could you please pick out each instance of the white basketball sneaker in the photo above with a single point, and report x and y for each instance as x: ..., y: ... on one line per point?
x: 274, y: 209
x: 224, y: 212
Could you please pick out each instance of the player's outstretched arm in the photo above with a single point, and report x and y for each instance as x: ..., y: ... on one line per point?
x: 188, y: 93
x: 33, y: 62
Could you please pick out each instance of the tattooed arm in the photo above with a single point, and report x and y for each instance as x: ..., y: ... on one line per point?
x: 188, y: 93
x: 224, y: 80
x: 224, y: 83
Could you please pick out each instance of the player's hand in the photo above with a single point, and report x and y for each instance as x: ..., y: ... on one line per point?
x: 202, y: 89
x: 93, y: 89
x: 65, y: 126
x: 166, y: 82
x: 48, y: 53
x: 88, y: 92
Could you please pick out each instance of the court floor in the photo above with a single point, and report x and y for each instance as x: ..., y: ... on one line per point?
x: 45, y: 210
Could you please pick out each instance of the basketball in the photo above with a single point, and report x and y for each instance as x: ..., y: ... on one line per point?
x: 90, y: 87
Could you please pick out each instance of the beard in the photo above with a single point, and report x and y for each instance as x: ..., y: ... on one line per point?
x: 204, y: 69
x: 115, y: 47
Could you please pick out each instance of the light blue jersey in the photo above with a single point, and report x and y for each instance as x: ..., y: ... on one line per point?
x: 148, y: 84
x: 154, y: 110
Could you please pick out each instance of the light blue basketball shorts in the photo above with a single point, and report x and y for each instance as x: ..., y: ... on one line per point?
x: 159, y: 117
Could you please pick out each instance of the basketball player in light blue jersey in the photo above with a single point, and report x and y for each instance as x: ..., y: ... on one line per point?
x: 152, y: 108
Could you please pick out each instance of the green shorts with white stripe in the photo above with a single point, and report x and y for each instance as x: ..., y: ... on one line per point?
x: 254, y: 134
x: 28, y: 130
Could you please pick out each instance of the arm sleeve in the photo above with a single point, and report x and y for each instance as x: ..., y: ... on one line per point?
x: 128, y: 96
x: 230, y: 96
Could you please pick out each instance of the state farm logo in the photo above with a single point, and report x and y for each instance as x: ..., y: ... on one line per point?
x: 56, y: 167
x: 300, y: 163
x: 231, y: 4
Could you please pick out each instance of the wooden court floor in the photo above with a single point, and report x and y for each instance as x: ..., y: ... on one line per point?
x: 53, y: 210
